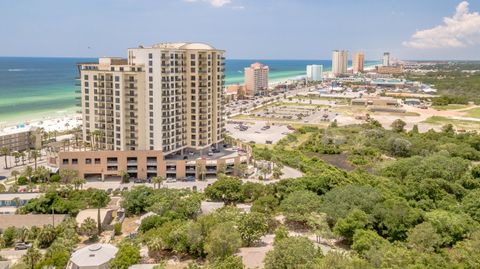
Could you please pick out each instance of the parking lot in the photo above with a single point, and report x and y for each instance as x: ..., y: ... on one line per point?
x: 256, y: 134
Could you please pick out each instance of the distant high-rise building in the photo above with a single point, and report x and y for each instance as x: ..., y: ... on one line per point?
x: 339, y: 62
x: 256, y: 79
x: 386, y: 59
x: 167, y: 97
x: 314, y: 72
x: 357, y: 62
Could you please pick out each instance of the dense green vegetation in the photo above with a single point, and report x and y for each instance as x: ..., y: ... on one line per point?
x: 456, y: 85
x: 411, y: 201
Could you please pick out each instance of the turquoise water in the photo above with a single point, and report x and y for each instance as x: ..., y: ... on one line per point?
x: 36, y: 88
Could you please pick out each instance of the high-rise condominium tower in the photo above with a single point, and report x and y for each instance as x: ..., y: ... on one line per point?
x: 314, y: 72
x: 166, y: 97
x: 256, y: 79
x: 339, y: 62
x: 357, y: 62
x: 386, y: 59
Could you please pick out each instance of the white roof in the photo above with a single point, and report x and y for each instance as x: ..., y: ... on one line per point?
x: 184, y: 45
x: 94, y: 255
x: 17, y: 129
x: 9, y: 196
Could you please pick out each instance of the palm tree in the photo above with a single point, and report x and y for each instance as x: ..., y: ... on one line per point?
x: 264, y: 170
x: 99, y: 199
x: 201, y: 171
x: 15, y: 173
x: 35, y: 154
x: 157, y: 180
x: 76, y: 133
x: 28, y: 172
x: 22, y: 155
x: 241, y: 169
x: 42, y: 173
x: 16, y: 201
x: 5, y: 152
x: 32, y: 257
x: 16, y: 156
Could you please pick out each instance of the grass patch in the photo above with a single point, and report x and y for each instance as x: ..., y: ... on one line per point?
x: 473, y: 113
x: 450, y: 107
x: 407, y: 114
x: 464, y: 124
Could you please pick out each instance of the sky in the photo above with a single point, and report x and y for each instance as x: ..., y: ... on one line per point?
x: 245, y: 29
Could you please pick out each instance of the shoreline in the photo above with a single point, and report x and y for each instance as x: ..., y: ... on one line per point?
x: 51, y: 122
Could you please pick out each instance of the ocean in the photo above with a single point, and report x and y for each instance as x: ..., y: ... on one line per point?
x: 40, y: 88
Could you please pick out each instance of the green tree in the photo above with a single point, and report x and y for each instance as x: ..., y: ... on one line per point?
x: 157, y: 181
x: 355, y: 220
x: 222, y: 241
x: 46, y: 236
x: 230, y: 262
x: 89, y: 228
x: 423, y: 237
x: 227, y: 189
x: 452, y: 227
x: 98, y: 199
x: 252, y: 226
x: 398, y: 125
x: 127, y: 255
x: 32, y: 257
x: 366, y: 240
x: 319, y: 225
x: 291, y: 252
x: 298, y: 205
x: 471, y: 204
x: 265, y: 204
x: 395, y: 217
x: 78, y: 182
x: 8, y: 236
x: 67, y: 175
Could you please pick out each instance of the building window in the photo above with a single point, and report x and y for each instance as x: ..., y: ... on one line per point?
x: 97, y: 160
x: 74, y: 161
x: 88, y: 161
x: 65, y: 161
x: 150, y: 56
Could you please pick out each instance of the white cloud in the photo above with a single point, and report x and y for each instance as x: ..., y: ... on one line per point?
x: 215, y: 3
x: 461, y: 30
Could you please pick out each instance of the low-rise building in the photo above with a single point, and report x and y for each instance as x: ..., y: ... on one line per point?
x: 375, y: 101
x: 111, y: 165
x: 412, y: 102
x: 95, y: 256
x: 397, y: 69
x: 20, y: 138
x: 10, y: 201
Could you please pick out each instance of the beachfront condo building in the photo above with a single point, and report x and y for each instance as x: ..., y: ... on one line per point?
x: 314, y: 72
x: 386, y: 59
x: 358, y: 62
x: 167, y: 97
x: 339, y: 62
x: 20, y: 138
x: 256, y: 79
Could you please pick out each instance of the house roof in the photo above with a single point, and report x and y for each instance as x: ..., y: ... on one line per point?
x: 94, y: 255
x: 92, y: 213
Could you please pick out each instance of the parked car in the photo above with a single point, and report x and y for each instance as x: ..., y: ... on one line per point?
x: 171, y: 180
x: 137, y: 180
x: 22, y: 246
x: 210, y: 153
x: 215, y: 150
x: 189, y: 178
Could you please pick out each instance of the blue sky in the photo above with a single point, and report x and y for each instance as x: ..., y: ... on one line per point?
x: 265, y: 29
